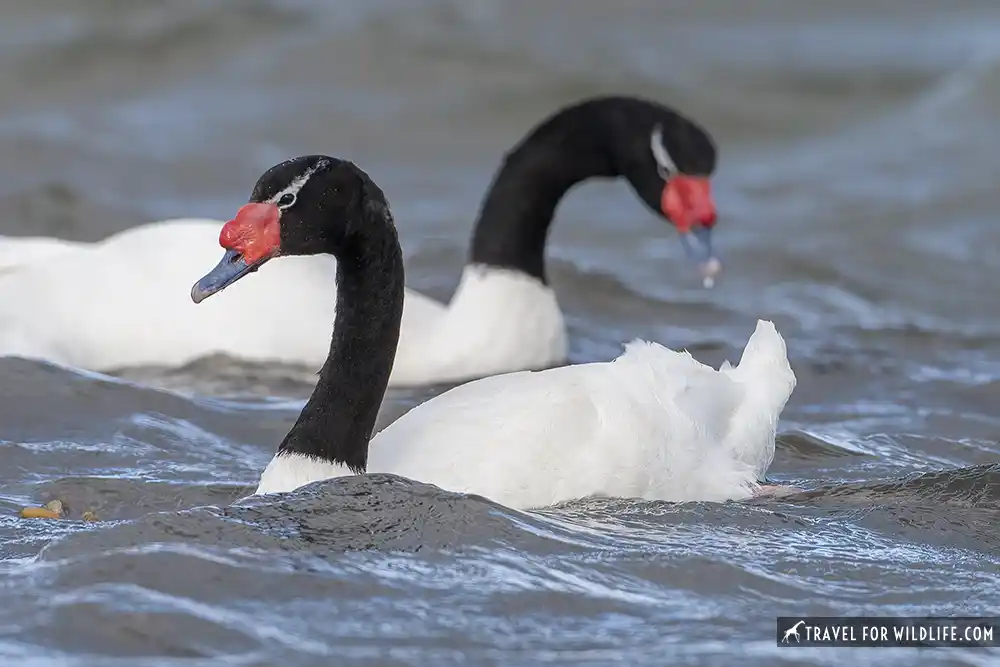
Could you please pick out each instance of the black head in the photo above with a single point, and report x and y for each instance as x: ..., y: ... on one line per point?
x: 306, y: 206
x: 669, y: 160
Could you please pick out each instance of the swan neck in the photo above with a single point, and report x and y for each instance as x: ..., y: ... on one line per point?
x: 339, y: 418
x: 518, y: 208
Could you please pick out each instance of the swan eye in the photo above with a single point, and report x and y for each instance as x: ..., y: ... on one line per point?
x: 286, y: 200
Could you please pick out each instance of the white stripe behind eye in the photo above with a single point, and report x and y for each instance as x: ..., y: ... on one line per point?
x: 293, y: 188
x: 660, y: 154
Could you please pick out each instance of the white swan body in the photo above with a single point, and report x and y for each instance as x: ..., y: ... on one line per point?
x: 498, y: 320
x: 653, y: 424
x: 124, y: 301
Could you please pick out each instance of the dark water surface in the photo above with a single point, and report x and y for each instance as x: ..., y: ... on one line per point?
x: 858, y: 188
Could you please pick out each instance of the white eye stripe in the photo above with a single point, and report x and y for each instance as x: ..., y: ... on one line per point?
x: 293, y: 188
x: 660, y: 153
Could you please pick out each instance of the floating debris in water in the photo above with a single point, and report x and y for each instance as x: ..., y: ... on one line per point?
x: 51, y: 510
x: 54, y: 509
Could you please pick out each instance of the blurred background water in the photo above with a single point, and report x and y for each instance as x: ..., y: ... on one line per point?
x: 856, y: 187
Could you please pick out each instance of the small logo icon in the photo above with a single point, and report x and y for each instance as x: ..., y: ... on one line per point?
x: 792, y: 632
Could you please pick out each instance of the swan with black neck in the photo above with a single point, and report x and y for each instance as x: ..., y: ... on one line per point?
x: 653, y: 423
x: 66, y: 302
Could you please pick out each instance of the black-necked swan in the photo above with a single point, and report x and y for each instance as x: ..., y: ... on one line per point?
x: 66, y: 302
x: 653, y: 423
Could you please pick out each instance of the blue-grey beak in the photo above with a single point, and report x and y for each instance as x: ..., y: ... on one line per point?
x: 698, y: 247
x: 698, y: 244
x: 228, y: 271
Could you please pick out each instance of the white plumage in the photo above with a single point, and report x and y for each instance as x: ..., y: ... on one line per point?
x: 124, y: 301
x: 653, y: 424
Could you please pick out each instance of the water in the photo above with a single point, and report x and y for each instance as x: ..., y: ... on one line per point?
x: 857, y: 189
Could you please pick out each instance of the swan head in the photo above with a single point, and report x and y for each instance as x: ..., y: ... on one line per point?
x: 305, y: 206
x: 683, y: 160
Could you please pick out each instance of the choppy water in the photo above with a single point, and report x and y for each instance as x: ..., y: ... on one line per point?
x: 857, y: 185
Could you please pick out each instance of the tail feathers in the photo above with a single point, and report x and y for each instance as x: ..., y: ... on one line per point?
x: 769, y: 380
x: 764, y: 363
x: 758, y: 387
x: 736, y: 407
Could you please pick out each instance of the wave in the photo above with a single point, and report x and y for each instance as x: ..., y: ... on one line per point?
x: 970, y: 487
